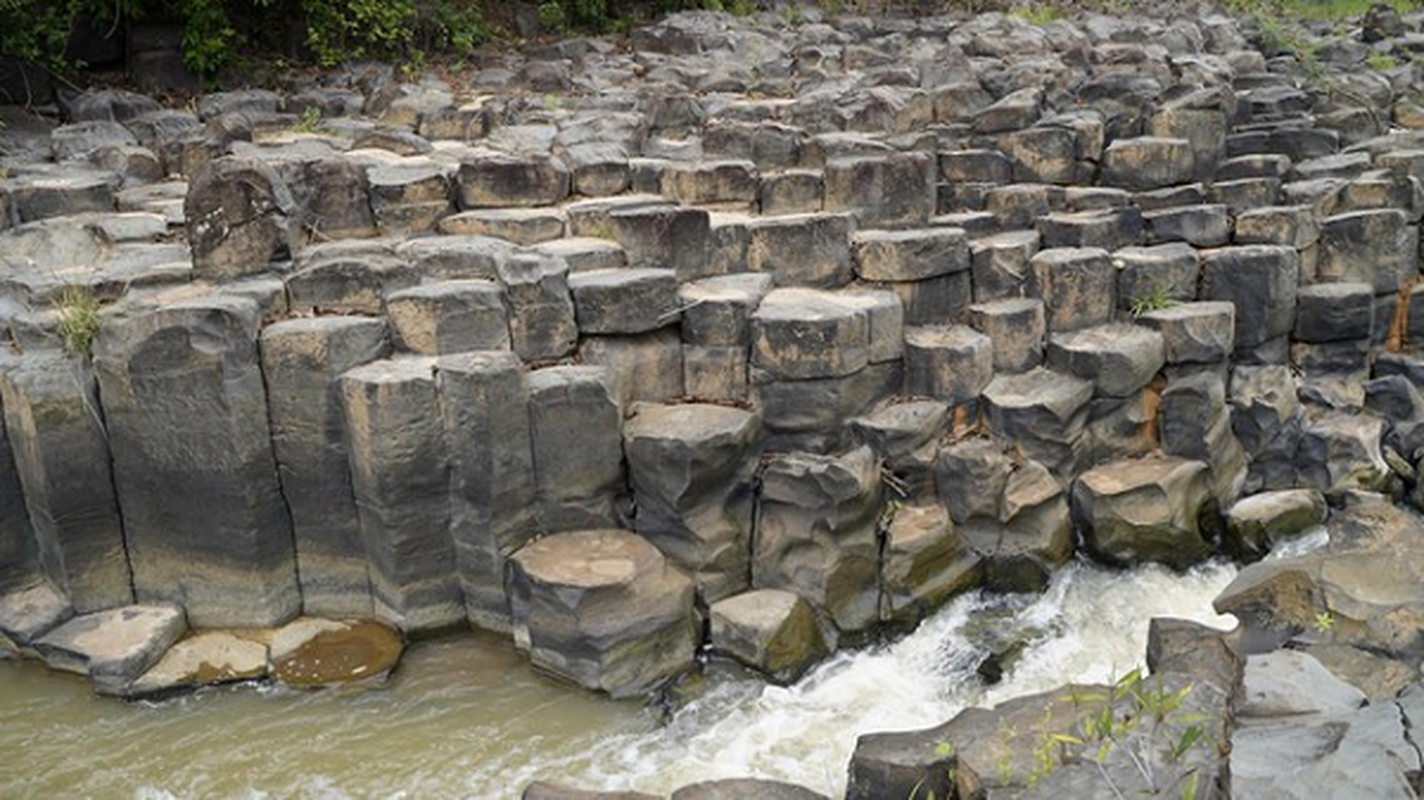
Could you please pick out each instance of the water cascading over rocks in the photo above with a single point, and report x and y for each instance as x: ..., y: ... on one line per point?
x: 788, y: 343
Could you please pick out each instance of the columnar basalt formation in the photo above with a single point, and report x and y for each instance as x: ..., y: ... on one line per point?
x: 843, y: 318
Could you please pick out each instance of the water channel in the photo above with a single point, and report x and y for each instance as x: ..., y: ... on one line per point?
x: 464, y: 717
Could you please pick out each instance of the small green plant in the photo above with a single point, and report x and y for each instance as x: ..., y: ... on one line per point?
x: 310, y: 121
x: 1324, y: 621
x: 1156, y: 300
x: 941, y: 750
x: 1381, y: 62
x: 792, y: 15
x: 551, y: 17
x: 78, y: 311
x: 1039, y: 14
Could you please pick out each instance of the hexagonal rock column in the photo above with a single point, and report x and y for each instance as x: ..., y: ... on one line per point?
x: 817, y: 533
x: 1147, y: 162
x: 400, y: 476
x: 951, y: 363
x: 692, y: 469
x: 1261, y: 281
x: 485, y: 407
x: 1341, y: 450
x: 602, y: 608
x: 716, y: 333
x: 542, y: 325
x: 1194, y: 333
x: 910, y: 255
x: 1118, y: 359
x: 925, y: 563
x: 1256, y: 524
x: 197, y: 483
x: 238, y: 218
x: 1076, y: 285
x: 802, y: 249
x: 62, y: 458
x: 497, y: 180
x: 576, y: 423
x: 19, y: 563
x: 301, y: 360
x: 1140, y: 510
x: 1043, y: 412
x: 889, y: 191
x: 1378, y: 247
x: 769, y: 630
x: 450, y: 317
x: 1016, y: 328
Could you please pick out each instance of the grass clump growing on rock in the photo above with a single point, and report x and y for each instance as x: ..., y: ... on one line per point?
x: 78, y: 311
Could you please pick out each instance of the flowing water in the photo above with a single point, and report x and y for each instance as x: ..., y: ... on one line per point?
x: 465, y: 717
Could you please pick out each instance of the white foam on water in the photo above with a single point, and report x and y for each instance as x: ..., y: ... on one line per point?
x: 1091, y: 625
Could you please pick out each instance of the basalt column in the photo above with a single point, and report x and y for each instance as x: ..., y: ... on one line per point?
x: 62, y: 457
x: 193, y: 465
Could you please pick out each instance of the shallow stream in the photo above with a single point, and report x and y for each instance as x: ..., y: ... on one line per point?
x: 465, y: 717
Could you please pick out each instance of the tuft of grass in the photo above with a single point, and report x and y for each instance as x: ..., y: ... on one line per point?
x: 1039, y: 14
x: 1380, y: 62
x: 1157, y: 300
x: 310, y: 121
x: 78, y: 310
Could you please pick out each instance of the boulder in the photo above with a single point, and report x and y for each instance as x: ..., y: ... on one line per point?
x: 484, y: 405
x: 1378, y: 247
x: 1032, y: 536
x: 737, y: 788
x: 806, y: 333
x: 1000, y: 264
x: 1157, y: 275
x: 691, y: 467
x: 602, y: 608
x: 1341, y: 450
x: 399, y: 459
x: 1106, y: 228
x: 816, y: 534
x: 28, y: 613
x: 662, y: 237
x: 350, y: 277
x: 61, y: 452
x: 238, y: 218
x: 1142, y: 510
x: 113, y: 647
x: 1148, y: 162
x: 770, y: 630
x: 301, y: 360
x: 1194, y: 333
x: 1256, y: 524
x: 189, y: 428
x: 542, y: 790
x: 905, y: 435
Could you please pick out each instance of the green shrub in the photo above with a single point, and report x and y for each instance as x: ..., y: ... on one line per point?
x: 78, y: 311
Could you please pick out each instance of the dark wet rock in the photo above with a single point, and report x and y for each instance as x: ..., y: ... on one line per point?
x: 737, y: 788
x: 543, y: 790
x: 1257, y: 524
x: 1042, y: 412
x: 924, y: 563
x: 575, y: 422
x: 311, y: 652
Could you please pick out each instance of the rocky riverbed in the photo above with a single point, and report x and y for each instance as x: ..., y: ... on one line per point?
x: 750, y: 338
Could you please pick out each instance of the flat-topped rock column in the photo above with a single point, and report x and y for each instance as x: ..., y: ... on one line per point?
x: 602, y: 608
x: 197, y: 482
x: 576, y: 428
x: 400, y: 476
x: 692, y: 468
x: 19, y: 564
x: 485, y: 407
x: 301, y: 361
x: 1147, y: 509
x: 62, y: 458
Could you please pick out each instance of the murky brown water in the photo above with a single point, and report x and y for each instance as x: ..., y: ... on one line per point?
x: 464, y: 717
